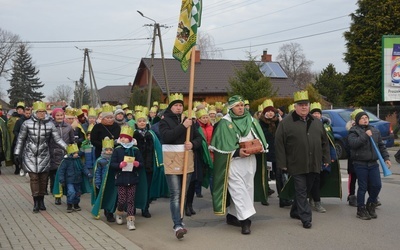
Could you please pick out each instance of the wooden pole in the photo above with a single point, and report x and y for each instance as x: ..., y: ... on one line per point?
x: 185, y: 165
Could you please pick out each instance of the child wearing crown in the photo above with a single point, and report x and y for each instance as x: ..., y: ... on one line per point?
x: 71, y: 175
x: 127, y: 161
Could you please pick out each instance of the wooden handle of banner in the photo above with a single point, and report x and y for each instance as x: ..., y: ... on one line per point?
x: 186, y: 159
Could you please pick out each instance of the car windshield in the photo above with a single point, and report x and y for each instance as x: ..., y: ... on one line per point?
x: 345, y: 114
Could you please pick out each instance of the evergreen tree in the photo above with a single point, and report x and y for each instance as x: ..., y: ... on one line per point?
x: 24, y: 82
x: 328, y: 83
x: 250, y: 83
x: 370, y: 22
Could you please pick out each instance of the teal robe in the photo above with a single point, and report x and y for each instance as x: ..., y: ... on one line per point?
x: 159, y: 186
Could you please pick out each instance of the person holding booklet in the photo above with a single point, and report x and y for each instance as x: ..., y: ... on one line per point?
x: 127, y: 161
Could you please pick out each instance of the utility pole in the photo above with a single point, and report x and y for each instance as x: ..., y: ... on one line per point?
x: 156, y: 32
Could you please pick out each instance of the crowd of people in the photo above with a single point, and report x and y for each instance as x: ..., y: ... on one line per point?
x: 127, y: 158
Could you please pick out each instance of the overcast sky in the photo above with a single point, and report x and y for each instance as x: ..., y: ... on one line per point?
x: 59, y: 30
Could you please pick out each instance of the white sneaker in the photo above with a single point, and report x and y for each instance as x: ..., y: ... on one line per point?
x: 119, y: 220
x: 130, y: 223
x: 319, y: 208
x: 21, y: 172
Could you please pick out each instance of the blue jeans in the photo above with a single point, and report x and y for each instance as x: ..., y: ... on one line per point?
x: 175, y: 188
x: 73, y: 193
x: 369, y: 179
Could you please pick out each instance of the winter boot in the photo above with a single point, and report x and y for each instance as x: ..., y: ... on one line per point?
x: 352, y: 200
x: 362, y: 213
x: 146, y: 213
x: 41, y: 203
x: 69, y: 208
x: 245, y: 226
x: 187, y: 211
x: 371, y: 210
x: 319, y: 208
x: 190, y: 206
x: 16, y: 172
x: 130, y: 222
x: 35, y: 204
x: 118, y: 217
x: 77, y: 207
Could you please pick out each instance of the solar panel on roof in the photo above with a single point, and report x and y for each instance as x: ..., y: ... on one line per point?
x: 272, y: 69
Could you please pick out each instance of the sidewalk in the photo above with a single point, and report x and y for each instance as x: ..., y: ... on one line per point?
x: 51, y: 229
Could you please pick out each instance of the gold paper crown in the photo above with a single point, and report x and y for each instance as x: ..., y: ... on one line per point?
x: 291, y: 107
x: 78, y: 112
x: 1, y: 106
x: 21, y: 104
x: 107, y: 108
x: 124, y: 106
x: 211, y: 107
x: 355, y: 112
x: 200, y: 113
x: 38, y: 105
x: 128, y: 111
x: 300, y: 96
x: 107, y: 143
x: 153, y: 109
x: 145, y: 110
x: 85, y: 107
x: 246, y: 102
x: 225, y: 110
x: 260, y: 107
x: 176, y: 97
x: 138, y: 108
x: 98, y: 110
x: 69, y: 112
x: 126, y: 130
x: 72, y: 148
x: 315, y: 105
x: 163, y: 106
x: 155, y: 103
x: 196, y: 103
x: 140, y: 115
x: 90, y: 127
x: 92, y: 112
x: 268, y: 103
x: 218, y: 105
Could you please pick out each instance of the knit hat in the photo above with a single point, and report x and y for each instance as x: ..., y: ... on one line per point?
x: 55, y: 111
x: 118, y: 111
x: 359, y: 113
x: 270, y: 108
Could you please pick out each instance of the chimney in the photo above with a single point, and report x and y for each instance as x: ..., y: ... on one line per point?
x: 265, y: 57
x: 197, y: 56
x: 129, y: 84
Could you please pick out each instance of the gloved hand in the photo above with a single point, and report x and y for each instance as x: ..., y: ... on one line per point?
x: 136, y: 164
x: 17, y: 160
x: 123, y: 164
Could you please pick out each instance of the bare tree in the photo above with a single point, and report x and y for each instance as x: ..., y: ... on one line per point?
x: 61, y: 93
x: 295, y: 64
x: 8, y: 46
x: 206, y: 45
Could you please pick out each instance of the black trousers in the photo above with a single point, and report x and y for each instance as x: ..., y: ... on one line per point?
x: 302, y: 185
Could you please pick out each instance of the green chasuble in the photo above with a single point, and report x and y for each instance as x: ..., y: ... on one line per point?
x: 224, y: 142
x: 159, y: 186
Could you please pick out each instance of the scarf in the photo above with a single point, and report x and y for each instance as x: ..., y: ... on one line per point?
x: 242, y: 123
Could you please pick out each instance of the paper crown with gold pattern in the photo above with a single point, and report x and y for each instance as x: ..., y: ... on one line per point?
x: 212, y: 109
x: 175, y: 98
x: 89, y: 129
x: 92, y: 112
x: 260, y: 108
x: 196, y: 103
x: 126, y: 132
x: 155, y: 103
x: 315, y: 107
x: 145, y: 110
x: 21, y: 105
x: 98, y: 110
x: 219, y: 105
x: 291, y: 107
x: 124, y: 106
x: 107, y: 143
x: 78, y: 112
x: 129, y: 112
x: 1, y: 106
x: 107, y: 110
x: 138, y: 108
x: 39, y: 106
x: 153, y: 109
x: 301, y: 96
x: 163, y: 106
x: 246, y: 102
x: 72, y: 148
x: 140, y: 115
x: 201, y: 113
x: 69, y: 113
x: 268, y: 103
x: 85, y: 108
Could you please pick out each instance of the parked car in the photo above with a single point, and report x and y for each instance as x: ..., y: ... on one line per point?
x: 339, y: 118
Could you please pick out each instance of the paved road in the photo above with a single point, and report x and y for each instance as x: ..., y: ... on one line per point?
x: 272, y: 228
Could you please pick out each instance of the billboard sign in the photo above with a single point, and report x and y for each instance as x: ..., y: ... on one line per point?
x: 390, y: 68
